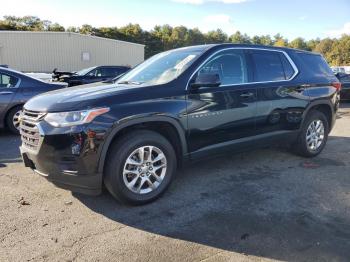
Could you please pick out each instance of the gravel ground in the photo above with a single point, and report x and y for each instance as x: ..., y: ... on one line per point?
x: 258, y: 206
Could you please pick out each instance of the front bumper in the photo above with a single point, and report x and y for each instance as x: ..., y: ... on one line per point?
x: 68, y: 159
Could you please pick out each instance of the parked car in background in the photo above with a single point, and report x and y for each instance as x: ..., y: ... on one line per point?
x: 345, y: 80
x: 89, y: 75
x: 16, y: 89
x: 179, y: 105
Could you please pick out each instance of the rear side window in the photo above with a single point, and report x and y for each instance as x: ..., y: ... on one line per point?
x: 271, y: 66
x: 316, y: 64
x: 288, y: 69
x: 7, y: 81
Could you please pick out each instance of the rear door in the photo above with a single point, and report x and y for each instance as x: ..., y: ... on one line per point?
x: 8, y: 88
x: 280, y: 101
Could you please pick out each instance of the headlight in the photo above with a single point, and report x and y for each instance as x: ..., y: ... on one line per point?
x: 64, y: 119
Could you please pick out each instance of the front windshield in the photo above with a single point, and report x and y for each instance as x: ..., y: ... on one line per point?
x: 84, y: 71
x: 161, y: 68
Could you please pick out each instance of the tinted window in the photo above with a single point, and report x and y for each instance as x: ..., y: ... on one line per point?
x: 230, y: 65
x: 7, y: 81
x: 268, y: 66
x: 316, y: 64
x: 96, y: 72
x: 110, y: 71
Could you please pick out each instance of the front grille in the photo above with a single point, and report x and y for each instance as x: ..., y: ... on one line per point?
x: 28, y: 128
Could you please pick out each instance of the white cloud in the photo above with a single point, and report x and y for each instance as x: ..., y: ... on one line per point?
x: 302, y: 18
x: 220, y: 18
x: 215, y: 21
x: 339, y: 32
x: 199, y: 2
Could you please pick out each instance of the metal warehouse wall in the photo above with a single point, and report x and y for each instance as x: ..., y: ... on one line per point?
x: 44, y: 51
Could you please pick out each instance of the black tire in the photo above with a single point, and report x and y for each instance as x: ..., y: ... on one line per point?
x: 300, y: 147
x: 9, y: 119
x: 116, y: 160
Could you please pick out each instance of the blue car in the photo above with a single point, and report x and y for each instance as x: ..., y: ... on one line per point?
x: 16, y: 89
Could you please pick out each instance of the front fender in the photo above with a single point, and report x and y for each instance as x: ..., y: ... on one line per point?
x: 126, y: 122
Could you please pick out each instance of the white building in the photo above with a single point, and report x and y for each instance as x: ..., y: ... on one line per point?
x: 29, y: 51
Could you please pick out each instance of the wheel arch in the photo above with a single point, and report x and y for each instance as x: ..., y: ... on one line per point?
x: 325, y: 107
x: 175, y: 134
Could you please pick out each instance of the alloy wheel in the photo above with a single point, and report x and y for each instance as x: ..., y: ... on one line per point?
x: 16, y: 119
x: 315, y: 135
x: 144, y: 169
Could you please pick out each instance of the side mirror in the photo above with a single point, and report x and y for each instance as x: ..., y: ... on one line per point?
x: 206, y: 80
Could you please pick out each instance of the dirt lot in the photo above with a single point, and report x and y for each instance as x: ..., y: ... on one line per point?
x: 261, y: 205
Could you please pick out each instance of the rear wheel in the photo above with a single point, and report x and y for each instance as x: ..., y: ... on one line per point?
x: 140, y: 166
x: 12, y: 119
x: 313, y: 136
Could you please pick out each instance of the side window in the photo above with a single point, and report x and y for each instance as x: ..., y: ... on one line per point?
x: 109, y: 71
x: 271, y: 66
x: 7, y: 81
x: 316, y: 64
x: 92, y: 73
x: 230, y: 65
x: 96, y: 72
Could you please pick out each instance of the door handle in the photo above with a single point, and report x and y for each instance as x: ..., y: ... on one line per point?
x: 6, y: 93
x: 247, y: 95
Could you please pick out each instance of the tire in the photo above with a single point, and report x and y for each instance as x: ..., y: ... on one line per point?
x: 12, y: 121
x: 129, y: 147
x: 302, y: 146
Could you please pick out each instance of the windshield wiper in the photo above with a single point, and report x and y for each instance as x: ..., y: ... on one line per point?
x: 130, y: 83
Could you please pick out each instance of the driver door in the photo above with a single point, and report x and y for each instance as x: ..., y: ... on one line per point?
x: 219, y: 117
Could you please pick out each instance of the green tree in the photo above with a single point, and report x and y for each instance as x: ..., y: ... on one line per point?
x: 298, y: 43
x: 86, y: 30
x: 239, y: 38
x: 216, y: 36
x: 165, y: 37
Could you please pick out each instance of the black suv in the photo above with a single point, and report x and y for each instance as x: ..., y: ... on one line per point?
x: 89, y: 75
x: 179, y: 105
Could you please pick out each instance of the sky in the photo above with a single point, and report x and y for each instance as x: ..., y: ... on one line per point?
x: 299, y: 18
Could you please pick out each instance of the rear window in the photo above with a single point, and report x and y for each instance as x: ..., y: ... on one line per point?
x: 271, y: 66
x: 316, y: 64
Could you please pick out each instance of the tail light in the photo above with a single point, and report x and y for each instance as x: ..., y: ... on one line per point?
x: 337, y: 85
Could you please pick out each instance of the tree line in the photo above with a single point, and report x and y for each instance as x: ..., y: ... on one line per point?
x: 165, y: 37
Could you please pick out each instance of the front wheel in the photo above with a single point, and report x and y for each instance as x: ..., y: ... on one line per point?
x: 313, y: 135
x: 140, y: 166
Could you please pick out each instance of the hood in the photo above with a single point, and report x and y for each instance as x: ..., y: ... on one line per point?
x: 69, y: 99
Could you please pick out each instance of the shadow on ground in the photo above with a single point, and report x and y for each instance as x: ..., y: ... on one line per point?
x: 9, y: 148
x: 266, y: 203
